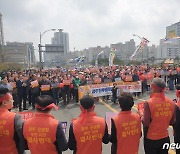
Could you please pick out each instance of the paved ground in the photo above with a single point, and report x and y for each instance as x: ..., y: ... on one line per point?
x: 72, y: 111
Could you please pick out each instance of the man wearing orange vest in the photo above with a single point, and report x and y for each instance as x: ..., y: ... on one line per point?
x: 158, y: 115
x: 43, y: 133
x: 87, y: 132
x: 176, y: 126
x: 125, y: 128
x: 11, y: 138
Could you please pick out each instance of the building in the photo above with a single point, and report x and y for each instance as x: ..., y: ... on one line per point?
x: 62, y: 39
x: 22, y: 53
x: 173, y: 30
x: 92, y: 53
x: 170, y: 49
x: 148, y: 54
x: 124, y: 51
x: 55, y: 52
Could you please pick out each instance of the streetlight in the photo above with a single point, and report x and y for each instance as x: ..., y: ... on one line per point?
x: 96, y: 61
x: 138, y: 36
x: 40, y: 50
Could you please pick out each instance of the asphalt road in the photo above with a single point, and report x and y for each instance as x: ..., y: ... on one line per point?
x: 72, y: 111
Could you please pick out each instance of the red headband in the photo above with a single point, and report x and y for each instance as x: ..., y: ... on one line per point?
x: 47, y: 107
x: 177, y: 93
x: 5, y: 97
x: 156, y: 87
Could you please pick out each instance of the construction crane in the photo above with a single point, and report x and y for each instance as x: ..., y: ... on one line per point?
x: 1, y: 40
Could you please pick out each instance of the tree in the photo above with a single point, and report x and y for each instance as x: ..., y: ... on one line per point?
x: 10, y: 66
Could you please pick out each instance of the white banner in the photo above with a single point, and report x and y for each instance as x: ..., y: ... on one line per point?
x: 104, y: 89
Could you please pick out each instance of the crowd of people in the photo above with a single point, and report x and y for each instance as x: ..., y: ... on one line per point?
x: 63, y: 84
x: 44, y: 134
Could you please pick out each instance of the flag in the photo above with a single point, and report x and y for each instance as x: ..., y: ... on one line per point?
x: 139, y: 48
x: 111, y: 57
x: 79, y: 59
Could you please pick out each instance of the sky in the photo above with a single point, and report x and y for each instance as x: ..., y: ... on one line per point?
x: 89, y: 23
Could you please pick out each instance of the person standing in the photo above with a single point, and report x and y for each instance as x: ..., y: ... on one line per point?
x: 45, y: 86
x: 135, y: 78
x: 66, y: 90
x: 22, y: 92
x: 35, y: 90
x: 76, y: 84
x: 114, y: 93
x: 55, y: 89
x: 125, y: 128
x: 171, y: 80
x: 11, y: 138
x: 43, y: 133
x: 88, y: 131
x: 6, y: 84
x: 159, y: 113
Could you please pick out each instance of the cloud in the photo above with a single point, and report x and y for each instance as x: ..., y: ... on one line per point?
x: 89, y: 23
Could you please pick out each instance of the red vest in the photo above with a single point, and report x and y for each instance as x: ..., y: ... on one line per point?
x: 89, y: 131
x: 7, y: 143
x: 178, y: 103
x: 161, y: 115
x: 40, y: 133
x: 128, y: 128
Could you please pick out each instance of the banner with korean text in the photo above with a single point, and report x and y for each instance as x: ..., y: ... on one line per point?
x: 104, y: 89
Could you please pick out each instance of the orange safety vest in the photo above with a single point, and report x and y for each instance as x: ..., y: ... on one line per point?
x: 89, y: 131
x: 128, y: 130
x: 7, y: 143
x: 40, y: 133
x: 161, y: 115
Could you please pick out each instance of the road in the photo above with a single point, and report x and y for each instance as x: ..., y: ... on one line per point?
x: 72, y: 111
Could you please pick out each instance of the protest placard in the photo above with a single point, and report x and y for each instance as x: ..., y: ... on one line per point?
x: 108, y: 117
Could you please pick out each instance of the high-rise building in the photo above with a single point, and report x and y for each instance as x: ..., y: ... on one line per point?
x: 92, y: 52
x: 17, y: 52
x: 124, y: 51
x: 170, y: 49
x: 54, y: 53
x: 173, y: 30
x: 62, y: 39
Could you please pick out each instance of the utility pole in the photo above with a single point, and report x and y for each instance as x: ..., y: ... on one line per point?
x: 40, y: 47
